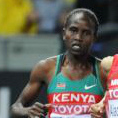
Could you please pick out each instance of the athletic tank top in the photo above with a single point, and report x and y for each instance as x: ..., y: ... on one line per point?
x: 72, y: 98
x: 112, y: 93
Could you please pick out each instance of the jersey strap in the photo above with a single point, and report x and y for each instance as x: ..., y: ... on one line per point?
x: 60, y: 59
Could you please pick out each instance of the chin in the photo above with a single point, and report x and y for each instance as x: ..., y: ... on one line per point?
x: 77, y: 53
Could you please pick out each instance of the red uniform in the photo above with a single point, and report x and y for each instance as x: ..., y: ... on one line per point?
x: 112, y: 93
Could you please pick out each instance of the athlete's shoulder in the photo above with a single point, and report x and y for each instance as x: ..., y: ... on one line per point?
x: 43, y: 68
x: 107, y: 62
x: 47, y: 63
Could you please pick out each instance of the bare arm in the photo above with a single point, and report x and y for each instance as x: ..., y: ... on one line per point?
x: 30, y: 92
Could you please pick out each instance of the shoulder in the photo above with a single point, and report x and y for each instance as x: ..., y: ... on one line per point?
x: 106, y: 63
x: 43, y: 68
x: 46, y: 64
x: 105, y: 67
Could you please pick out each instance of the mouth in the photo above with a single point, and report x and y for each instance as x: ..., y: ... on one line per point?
x: 76, y: 47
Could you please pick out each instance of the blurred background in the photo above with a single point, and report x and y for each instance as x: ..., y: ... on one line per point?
x: 31, y: 30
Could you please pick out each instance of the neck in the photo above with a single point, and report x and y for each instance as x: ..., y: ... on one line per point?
x: 77, y: 60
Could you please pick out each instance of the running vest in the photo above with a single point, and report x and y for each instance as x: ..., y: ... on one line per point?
x: 112, y: 93
x: 72, y: 99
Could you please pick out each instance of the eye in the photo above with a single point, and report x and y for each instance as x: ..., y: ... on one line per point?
x: 87, y: 32
x: 73, y: 29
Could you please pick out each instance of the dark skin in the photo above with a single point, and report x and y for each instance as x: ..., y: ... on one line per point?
x: 78, y: 37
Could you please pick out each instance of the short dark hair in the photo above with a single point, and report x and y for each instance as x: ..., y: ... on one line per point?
x: 90, y: 14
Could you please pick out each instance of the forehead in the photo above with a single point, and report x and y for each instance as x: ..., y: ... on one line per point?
x: 81, y: 18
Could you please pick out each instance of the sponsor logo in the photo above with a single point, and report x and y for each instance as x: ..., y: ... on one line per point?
x: 113, y: 79
x: 89, y: 87
x: 113, y: 93
x: 114, y: 82
x: 72, y: 102
x: 70, y: 109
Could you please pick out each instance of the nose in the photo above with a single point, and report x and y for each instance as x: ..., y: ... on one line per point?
x: 78, y: 36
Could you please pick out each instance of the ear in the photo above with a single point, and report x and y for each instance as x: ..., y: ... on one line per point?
x: 64, y: 38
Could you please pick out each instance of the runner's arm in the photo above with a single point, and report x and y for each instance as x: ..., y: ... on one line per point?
x: 29, y: 93
x: 98, y: 109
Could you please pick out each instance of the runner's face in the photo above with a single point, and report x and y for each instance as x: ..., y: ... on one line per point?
x: 79, y: 34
